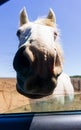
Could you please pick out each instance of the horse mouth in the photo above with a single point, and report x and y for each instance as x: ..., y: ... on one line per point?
x: 25, y: 72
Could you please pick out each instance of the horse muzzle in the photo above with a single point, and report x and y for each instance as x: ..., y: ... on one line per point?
x: 28, y: 83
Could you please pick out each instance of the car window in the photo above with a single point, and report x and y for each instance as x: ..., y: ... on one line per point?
x: 40, y: 56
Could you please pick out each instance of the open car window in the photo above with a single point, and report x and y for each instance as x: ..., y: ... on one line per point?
x: 25, y: 69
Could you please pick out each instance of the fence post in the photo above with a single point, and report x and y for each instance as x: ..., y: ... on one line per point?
x: 78, y: 85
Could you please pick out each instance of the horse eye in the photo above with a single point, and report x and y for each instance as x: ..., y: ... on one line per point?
x: 55, y: 35
x: 31, y: 40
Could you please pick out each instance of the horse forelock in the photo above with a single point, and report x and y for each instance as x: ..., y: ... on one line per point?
x: 45, y: 21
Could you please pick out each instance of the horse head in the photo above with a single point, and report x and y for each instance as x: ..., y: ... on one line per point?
x: 39, y: 58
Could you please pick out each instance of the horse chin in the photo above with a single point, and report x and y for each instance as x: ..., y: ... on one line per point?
x: 34, y: 87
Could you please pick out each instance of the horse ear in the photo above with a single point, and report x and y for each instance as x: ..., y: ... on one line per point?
x: 23, y: 17
x: 51, y: 16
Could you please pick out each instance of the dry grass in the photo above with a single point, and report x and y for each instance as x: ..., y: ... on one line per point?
x: 9, y: 97
x: 49, y: 105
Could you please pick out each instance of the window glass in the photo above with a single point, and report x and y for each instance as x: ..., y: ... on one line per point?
x: 35, y: 74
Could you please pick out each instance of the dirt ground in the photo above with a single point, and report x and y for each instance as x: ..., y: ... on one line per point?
x: 9, y: 97
x: 13, y: 102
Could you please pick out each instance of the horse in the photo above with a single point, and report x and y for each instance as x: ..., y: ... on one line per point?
x: 39, y: 59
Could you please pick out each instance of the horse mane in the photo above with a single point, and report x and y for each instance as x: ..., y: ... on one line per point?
x: 45, y: 21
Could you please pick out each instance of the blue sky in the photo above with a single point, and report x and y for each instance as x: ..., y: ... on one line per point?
x: 68, y: 16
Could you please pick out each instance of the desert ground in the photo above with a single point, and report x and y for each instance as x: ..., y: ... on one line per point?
x: 11, y: 101
x: 9, y: 97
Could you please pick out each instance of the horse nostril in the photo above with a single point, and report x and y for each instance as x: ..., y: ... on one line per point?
x: 18, y: 33
x: 20, y: 61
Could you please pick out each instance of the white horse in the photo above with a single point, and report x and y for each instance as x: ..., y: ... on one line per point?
x: 39, y: 60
